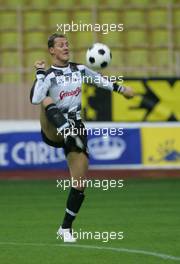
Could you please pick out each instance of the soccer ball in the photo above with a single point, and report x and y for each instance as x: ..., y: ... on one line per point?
x: 98, y: 56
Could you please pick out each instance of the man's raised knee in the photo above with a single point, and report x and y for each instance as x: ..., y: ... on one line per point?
x: 47, y: 101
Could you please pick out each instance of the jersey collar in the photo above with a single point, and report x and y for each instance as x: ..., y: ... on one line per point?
x: 57, y: 68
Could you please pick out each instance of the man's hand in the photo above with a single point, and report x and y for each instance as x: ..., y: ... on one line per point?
x: 39, y: 64
x: 128, y: 92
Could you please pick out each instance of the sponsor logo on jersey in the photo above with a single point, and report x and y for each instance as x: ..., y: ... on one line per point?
x: 75, y: 92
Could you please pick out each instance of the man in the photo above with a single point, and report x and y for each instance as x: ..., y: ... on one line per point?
x: 58, y: 90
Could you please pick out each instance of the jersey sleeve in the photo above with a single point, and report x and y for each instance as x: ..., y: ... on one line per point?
x: 40, y: 87
x: 95, y: 78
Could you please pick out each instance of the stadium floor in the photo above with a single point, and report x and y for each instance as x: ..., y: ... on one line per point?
x: 145, y: 210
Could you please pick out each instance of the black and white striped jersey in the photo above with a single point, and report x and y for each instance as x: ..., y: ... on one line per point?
x: 64, y: 86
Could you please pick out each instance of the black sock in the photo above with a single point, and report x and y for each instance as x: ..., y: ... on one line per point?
x: 55, y: 116
x: 74, y: 202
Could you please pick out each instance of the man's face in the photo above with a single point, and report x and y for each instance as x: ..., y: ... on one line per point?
x: 60, y: 50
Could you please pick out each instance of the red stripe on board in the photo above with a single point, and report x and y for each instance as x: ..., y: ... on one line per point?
x: 96, y: 174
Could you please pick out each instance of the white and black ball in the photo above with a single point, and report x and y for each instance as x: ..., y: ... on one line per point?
x: 98, y: 56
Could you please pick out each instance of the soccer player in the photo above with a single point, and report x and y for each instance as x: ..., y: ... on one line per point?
x: 58, y: 90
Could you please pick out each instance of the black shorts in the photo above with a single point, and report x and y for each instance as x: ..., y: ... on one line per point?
x: 80, y: 131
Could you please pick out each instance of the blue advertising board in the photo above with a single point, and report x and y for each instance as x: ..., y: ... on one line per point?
x: 115, y: 149
x: 26, y: 150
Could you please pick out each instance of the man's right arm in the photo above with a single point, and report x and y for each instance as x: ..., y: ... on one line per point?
x: 41, y: 84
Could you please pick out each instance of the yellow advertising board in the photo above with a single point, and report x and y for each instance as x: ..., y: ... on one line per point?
x: 155, y: 100
x: 160, y: 145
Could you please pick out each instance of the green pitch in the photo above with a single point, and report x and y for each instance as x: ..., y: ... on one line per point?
x: 147, y: 211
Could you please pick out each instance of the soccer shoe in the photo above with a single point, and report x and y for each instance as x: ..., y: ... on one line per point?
x: 65, y: 234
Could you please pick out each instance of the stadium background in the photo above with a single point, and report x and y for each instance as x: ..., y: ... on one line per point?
x: 147, y: 55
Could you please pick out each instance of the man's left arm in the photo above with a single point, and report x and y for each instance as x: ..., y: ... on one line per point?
x: 98, y: 80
